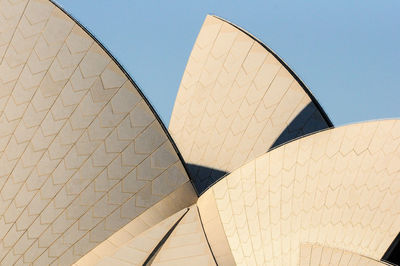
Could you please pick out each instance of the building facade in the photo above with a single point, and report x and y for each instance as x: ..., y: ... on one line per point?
x: 250, y: 172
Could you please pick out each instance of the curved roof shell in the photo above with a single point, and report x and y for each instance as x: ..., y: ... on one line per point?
x: 181, y: 198
x: 82, y: 152
x: 177, y: 240
x: 328, y: 198
x: 139, y: 249
x: 237, y: 100
x: 89, y: 174
x: 337, y: 188
x: 314, y: 255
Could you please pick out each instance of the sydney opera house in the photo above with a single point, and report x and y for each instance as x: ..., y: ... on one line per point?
x: 251, y: 171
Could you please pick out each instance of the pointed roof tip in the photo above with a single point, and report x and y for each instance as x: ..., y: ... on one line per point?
x: 296, y: 77
x: 216, y: 16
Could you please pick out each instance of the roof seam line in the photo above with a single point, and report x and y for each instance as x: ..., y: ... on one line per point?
x: 155, y: 251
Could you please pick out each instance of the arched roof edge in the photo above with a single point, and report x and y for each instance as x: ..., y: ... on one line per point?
x: 305, y: 88
x: 171, y: 140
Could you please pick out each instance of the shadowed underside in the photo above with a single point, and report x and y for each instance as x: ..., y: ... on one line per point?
x: 237, y: 100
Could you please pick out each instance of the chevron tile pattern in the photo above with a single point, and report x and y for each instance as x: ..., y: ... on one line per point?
x: 137, y: 250
x: 338, y: 188
x: 314, y: 255
x: 181, y: 198
x: 234, y: 101
x: 90, y: 176
x: 10, y: 15
x: 187, y: 245
x: 81, y: 152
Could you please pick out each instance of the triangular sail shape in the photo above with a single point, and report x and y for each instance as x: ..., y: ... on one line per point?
x: 187, y: 245
x: 237, y: 100
x: 137, y: 250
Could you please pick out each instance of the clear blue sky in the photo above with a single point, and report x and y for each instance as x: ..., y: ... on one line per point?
x: 346, y: 52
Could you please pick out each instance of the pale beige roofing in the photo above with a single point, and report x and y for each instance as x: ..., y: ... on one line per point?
x: 338, y: 188
x: 81, y: 151
x: 187, y: 245
x: 182, y: 197
x: 86, y: 166
x: 137, y: 250
x: 315, y: 255
x: 214, y: 229
x: 236, y: 100
x: 177, y: 240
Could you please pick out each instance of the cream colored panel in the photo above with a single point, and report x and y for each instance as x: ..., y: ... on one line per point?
x: 81, y: 152
x: 214, y: 229
x: 314, y: 255
x: 137, y: 250
x: 24, y: 58
x: 10, y: 15
x: 338, y: 188
x: 182, y: 197
x: 187, y: 245
x: 235, y: 101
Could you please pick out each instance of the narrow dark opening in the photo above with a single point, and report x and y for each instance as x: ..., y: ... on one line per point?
x: 155, y: 251
x: 392, y: 255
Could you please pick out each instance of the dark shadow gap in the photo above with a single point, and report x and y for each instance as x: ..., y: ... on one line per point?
x: 392, y: 254
x: 309, y: 120
x: 155, y: 251
x: 202, y: 176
